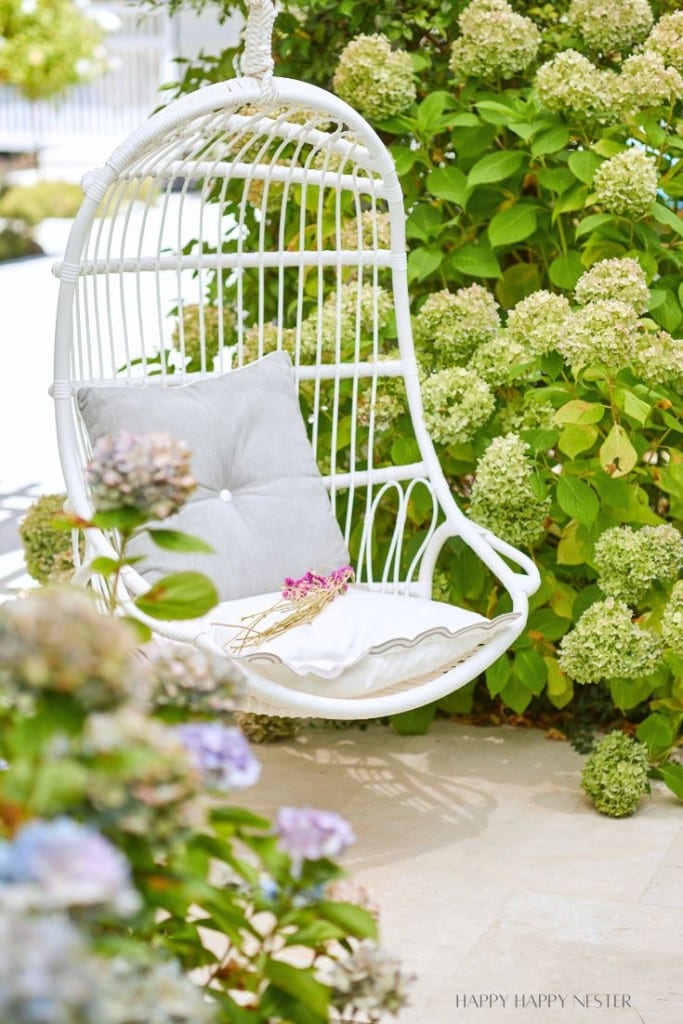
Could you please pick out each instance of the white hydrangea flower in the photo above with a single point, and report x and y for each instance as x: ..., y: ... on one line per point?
x: 375, y: 79
x: 611, y: 25
x: 620, y: 279
x: 666, y: 39
x: 659, y: 359
x: 495, y: 41
x: 450, y: 326
x: 605, y: 642
x: 496, y: 359
x: 367, y: 231
x: 672, y: 620
x: 457, y: 402
x: 503, y: 496
x: 603, y: 333
x: 570, y: 84
x: 645, y: 82
x: 626, y: 184
x: 629, y: 561
x: 537, y: 321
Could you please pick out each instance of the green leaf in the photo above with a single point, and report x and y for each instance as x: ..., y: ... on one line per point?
x: 518, y: 281
x: 668, y: 313
x: 516, y: 695
x: 298, y: 982
x: 592, y: 223
x: 608, y: 147
x: 127, y: 519
x: 617, y: 454
x: 665, y: 216
x: 657, y: 732
x: 633, y: 406
x: 672, y: 775
x: 415, y: 722
x: 475, y: 261
x: 629, y: 693
x: 513, y: 224
x: 448, y: 183
x: 550, y: 141
x: 584, y: 164
x: 530, y: 669
x: 495, y: 167
x: 577, y: 438
x: 423, y: 262
x: 575, y: 547
x: 105, y: 566
x: 577, y: 499
x: 573, y: 199
x: 459, y: 702
x: 353, y: 919
x: 565, y: 270
x: 182, y: 595
x: 175, y: 540
x: 559, y: 686
x: 578, y: 411
x: 430, y: 110
x: 555, y: 179
x: 240, y: 817
x: 497, y: 675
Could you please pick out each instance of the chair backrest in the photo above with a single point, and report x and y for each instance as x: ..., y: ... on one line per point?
x: 236, y: 221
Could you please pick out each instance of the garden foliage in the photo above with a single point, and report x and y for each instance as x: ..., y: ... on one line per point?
x: 132, y: 888
x: 539, y: 150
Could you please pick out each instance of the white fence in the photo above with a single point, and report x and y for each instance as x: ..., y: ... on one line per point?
x: 106, y: 110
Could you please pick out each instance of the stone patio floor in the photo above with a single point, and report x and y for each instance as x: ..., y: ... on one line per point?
x: 494, y: 875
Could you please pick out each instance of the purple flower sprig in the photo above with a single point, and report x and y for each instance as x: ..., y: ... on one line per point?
x: 302, y: 600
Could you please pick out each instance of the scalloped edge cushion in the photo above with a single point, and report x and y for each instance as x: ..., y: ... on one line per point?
x: 363, y: 642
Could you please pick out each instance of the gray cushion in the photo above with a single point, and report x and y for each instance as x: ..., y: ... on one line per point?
x: 261, y: 502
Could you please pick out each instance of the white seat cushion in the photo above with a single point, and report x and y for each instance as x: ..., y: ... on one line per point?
x: 361, y: 643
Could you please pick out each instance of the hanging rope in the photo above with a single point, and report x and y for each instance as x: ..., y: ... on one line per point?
x: 257, y: 61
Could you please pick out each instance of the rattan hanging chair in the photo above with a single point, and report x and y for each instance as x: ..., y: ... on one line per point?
x: 264, y: 214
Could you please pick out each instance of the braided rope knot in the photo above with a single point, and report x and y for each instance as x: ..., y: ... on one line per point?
x: 258, y: 59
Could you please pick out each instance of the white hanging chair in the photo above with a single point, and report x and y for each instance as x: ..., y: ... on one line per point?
x: 190, y: 222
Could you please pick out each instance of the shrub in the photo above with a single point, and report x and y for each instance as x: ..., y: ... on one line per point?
x: 33, y: 203
x: 540, y: 164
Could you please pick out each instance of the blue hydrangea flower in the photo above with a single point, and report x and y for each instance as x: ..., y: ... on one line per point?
x: 308, y: 834
x: 221, y: 754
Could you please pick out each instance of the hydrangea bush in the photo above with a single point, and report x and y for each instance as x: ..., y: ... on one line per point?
x: 540, y: 162
x: 131, y: 888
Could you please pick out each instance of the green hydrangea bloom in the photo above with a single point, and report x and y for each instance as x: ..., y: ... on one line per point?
x: 603, y: 333
x: 346, y: 315
x: 503, y: 496
x: 672, y: 620
x: 611, y: 25
x: 605, y: 643
x: 203, y: 324
x: 615, y: 775
x: 537, y: 322
x: 666, y: 39
x: 626, y: 184
x: 495, y: 41
x: 620, y: 279
x: 570, y: 84
x: 370, y: 229
x: 457, y: 402
x: 449, y: 327
x: 501, y: 360
x: 645, y: 82
x: 630, y: 561
x: 659, y: 359
x: 374, y: 79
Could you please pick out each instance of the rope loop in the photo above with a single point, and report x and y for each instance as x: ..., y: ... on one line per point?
x: 257, y: 61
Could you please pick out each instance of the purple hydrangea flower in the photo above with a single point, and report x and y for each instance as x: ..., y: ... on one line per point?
x: 221, y: 754
x: 307, y: 834
x: 61, y: 863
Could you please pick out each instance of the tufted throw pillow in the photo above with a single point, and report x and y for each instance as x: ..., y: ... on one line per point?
x: 260, y: 501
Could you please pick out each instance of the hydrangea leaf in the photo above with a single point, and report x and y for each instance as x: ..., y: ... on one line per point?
x: 577, y: 499
x: 495, y: 167
x: 579, y: 412
x: 182, y: 595
x: 475, y: 261
x: 629, y: 693
x: 175, y: 540
x: 617, y: 454
x: 565, y: 270
x: 672, y: 775
x: 449, y: 183
x: 657, y: 732
x: 577, y: 438
x: 354, y: 920
x: 584, y: 164
x: 551, y: 141
x: 559, y: 686
x: 513, y: 225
